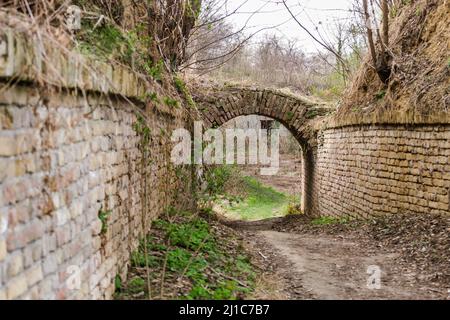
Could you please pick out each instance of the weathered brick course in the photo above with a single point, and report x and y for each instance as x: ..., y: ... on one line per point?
x: 59, y: 170
x: 372, y: 170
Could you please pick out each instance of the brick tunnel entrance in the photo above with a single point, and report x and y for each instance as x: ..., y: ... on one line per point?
x: 297, y: 115
x: 291, y: 179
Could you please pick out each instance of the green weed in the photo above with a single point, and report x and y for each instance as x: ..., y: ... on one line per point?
x: 170, y: 102
x: 182, y: 89
x: 380, y: 95
x: 136, y: 285
x: 190, y: 235
x: 155, y: 70
x: 327, y: 220
x: 290, y: 115
x: 192, y: 252
x: 118, y: 283
x: 216, y: 178
x: 293, y: 208
x: 139, y: 259
x: 103, y: 216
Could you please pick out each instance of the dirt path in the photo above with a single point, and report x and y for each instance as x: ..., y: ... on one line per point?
x: 327, y: 267
x: 330, y: 268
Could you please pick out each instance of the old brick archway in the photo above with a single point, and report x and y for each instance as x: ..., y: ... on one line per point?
x: 219, y: 105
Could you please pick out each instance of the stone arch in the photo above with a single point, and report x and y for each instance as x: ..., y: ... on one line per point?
x: 218, y: 105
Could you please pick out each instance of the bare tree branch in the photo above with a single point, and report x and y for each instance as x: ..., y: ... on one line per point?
x: 323, y: 44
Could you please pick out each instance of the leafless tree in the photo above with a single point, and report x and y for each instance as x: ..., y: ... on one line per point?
x: 318, y: 39
x: 370, y: 10
x: 213, y: 41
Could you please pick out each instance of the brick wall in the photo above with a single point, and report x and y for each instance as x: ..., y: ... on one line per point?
x: 62, y: 163
x: 371, y: 170
x: 77, y: 189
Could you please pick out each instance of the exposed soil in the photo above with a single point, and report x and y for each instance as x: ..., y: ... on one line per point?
x: 332, y: 262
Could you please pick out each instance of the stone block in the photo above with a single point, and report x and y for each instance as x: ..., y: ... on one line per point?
x: 16, y: 287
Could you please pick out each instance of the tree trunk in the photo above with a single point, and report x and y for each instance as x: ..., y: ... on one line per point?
x: 383, y: 64
x: 385, y: 10
x: 381, y: 61
x: 373, y: 53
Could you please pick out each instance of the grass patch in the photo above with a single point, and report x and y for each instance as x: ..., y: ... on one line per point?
x: 260, y: 202
x: 107, y: 42
x: 170, y: 102
x: 193, y: 259
x: 326, y: 220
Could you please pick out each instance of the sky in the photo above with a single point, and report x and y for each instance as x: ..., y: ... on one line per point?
x: 324, y: 13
